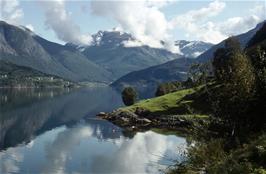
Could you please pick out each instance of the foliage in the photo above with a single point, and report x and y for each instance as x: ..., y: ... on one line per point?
x: 235, y: 74
x: 129, y: 96
x: 198, y: 74
x: 213, y: 157
x: 166, y: 88
x: 236, y: 141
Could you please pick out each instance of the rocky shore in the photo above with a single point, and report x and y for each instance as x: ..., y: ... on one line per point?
x: 142, y: 119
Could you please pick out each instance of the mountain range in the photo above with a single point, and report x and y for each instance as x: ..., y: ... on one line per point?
x: 105, y: 60
x: 109, y: 51
x: 146, y: 81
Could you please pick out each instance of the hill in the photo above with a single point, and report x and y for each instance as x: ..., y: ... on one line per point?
x: 146, y: 81
x: 12, y: 75
x: 22, y: 47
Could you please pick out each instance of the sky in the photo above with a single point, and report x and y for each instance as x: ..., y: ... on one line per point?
x: 149, y: 21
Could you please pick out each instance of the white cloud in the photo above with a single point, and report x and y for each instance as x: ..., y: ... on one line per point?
x: 10, y: 160
x: 191, y: 20
x: 233, y: 26
x: 196, y: 23
x: 148, y: 24
x: 60, y: 21
x: 10, y: 11
x: 132, y: 43
x: 59, y: 151
x: 142, y: 153
x: 259, y: 10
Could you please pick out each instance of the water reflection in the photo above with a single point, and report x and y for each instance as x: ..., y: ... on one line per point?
x: 25, y: 114
x: 76, y: 150
x: 43, y: 132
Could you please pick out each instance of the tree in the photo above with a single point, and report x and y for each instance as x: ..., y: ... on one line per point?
x: 223, y: 59
x: 129, y: 96
x: 257, y: 56
x: 198, y: 73
x: 235, y: 75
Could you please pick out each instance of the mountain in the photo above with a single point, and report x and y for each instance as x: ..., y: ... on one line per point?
x: 193, y: 48
x: 105, y: 60
x: 20, y: 46
x: 259, y: 38
x: 146, y: 81
x: 12, y: 75
x: 109, y: 51
x: 243, y: 39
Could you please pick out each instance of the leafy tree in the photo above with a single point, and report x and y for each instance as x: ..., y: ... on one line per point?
x: 129, y: 96
x: 256, y: 50
x: 257, y: 56
x: 235, y: 76
x: 198, y: 73
x: 223, y: 59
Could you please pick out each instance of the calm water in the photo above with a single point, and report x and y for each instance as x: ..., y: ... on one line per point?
x: 55, y: 131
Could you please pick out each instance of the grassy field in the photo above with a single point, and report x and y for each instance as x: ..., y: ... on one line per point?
x: 184, y: 102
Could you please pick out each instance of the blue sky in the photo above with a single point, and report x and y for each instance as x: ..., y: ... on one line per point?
x: 148, y: 20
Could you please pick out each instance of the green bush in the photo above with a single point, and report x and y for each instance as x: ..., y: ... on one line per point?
x: 129, y: 96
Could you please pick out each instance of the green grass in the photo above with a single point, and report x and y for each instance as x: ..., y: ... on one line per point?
x: 183, y: 102
x: 161, y: 103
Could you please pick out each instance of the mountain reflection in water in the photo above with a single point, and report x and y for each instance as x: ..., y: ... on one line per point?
x: 44, y: 131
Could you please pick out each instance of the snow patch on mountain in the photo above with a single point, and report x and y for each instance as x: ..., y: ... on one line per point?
x: 192, y: 48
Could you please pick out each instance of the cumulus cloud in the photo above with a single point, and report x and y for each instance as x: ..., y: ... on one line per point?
x: 143, y: 19
x: 142, y: 153
x: 235, y: 25
x: 196, y: 23
x: 59, y: 151
x: 191, y: 20
x: 60, y: 21
x: 10, y: 11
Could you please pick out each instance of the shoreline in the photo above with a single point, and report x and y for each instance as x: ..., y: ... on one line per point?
x: 142, y: 120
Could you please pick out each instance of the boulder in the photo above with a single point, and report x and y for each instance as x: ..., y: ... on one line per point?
x: 101, y: 114
x: 142, y: 112
x: 143, y: 121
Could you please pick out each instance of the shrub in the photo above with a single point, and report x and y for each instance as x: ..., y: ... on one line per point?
x: 129, y: 96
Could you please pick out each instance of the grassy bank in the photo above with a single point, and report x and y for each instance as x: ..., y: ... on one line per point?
x: 184, y: 102
x: 183, y: 112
